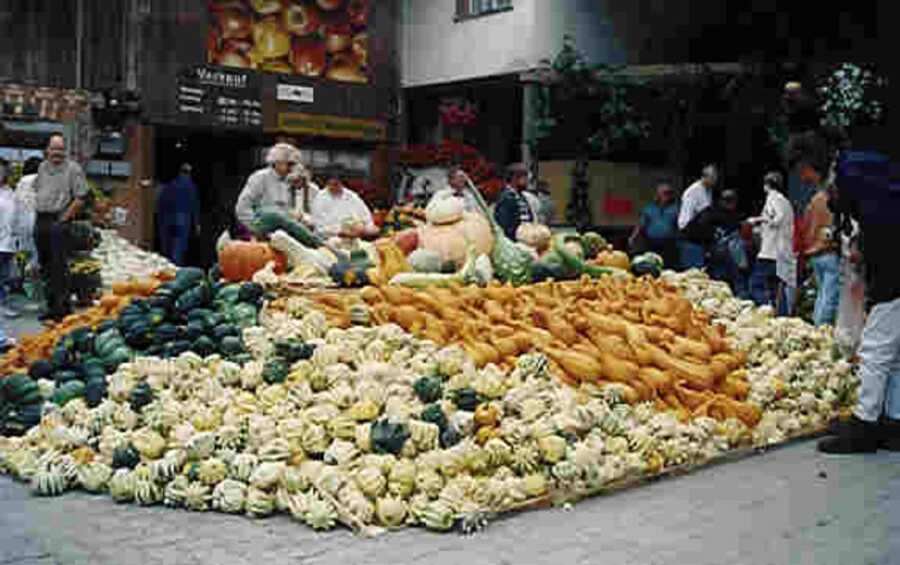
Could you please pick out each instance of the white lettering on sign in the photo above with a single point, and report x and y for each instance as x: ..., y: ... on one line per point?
x: 295, y: 93
x: 222, y: 78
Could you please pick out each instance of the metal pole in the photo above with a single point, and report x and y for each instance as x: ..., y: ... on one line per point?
x: 79, y: 42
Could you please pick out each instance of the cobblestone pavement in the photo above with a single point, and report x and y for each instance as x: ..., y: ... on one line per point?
x: 790, y: 506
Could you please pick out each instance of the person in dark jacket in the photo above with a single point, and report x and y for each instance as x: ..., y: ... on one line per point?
x: 718, y: 230
x: 512, y: 208
x: 178, y: 211
x: 863, y: 191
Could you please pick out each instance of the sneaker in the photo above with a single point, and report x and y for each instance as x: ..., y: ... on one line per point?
x: 854, y: 436
x: 9, y: 312
x: 889, y: 438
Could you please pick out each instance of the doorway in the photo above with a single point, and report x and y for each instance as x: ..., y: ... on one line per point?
x: 221, y: 161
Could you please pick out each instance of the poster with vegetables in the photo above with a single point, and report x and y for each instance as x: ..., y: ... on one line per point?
x: 323, y: 39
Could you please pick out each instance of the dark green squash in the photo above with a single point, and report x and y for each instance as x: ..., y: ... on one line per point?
x: 433, y: 414
x: 94, y: 391
x: 40, y: 369
x: 105, y: 326
x: 195, y: 330
x: 125, y: 457
x: 204, y: 346
x: 388, y: 437
x: 166, y: 333
x: 429, y: 389
x: 250, y: 292
x: 67, y: 392
x: 24, y: 418
x: 19, y: 389
x: 231, y: 345
x: 157, y: 316
x: 275, y: 371
x: 196, y: 297
x: 293, y: 350
x: 61, y: 358
x: 224, y: 330
x: 449, y: 437
x: 65, y: 376
x: 466, y: 399
x: 140, y: 396
x: 242, y: 358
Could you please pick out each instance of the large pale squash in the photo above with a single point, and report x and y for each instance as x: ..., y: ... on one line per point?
x: 450, y: 239
x: 240, y: 260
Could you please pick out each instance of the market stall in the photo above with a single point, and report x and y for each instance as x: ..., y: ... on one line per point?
x: 342, y: 386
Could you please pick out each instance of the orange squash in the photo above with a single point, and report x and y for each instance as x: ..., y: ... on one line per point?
x: 618, y: 259
x: 122, y: 288
x: 240, y: 260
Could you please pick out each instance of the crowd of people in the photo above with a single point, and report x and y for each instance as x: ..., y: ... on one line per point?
x: 763, y: 257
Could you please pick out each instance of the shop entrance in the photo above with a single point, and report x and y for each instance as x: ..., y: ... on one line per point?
x: 221, y: 163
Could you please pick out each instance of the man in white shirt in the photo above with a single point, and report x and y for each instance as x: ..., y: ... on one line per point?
x: 338, y: 211
x: 697, y: 198
x: 267, y: 189
x: 456, y: 187
x: 775, y: 271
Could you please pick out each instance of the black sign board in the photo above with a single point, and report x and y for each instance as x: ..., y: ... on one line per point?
x: 210, y: 96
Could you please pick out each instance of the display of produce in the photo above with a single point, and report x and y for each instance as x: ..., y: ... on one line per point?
x: 120, y: 260
x: 640, y: 333
x: 407, y: 397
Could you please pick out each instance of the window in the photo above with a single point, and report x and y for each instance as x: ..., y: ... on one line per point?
x: 473, y: 8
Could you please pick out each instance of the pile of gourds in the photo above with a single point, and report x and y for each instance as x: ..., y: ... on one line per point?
x: 374, y: 428
x: 640, y: 333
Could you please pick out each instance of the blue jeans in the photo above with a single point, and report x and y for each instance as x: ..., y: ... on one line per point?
x: 692, y: 255
x: 764, y: 283
x: 175, y: 240
x: 727, y: 271
x: 879, y: 368
x: 827, y: 269
x: 7, y: 273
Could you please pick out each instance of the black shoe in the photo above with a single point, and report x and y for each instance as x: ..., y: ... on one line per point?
x: 854, y: 436
x: 889, y: 438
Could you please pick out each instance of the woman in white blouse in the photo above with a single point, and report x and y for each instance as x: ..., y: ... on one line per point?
x: 337, y: 211
x: 775, y: 273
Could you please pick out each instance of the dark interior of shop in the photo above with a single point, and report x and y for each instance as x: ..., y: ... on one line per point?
x: 221, y: 162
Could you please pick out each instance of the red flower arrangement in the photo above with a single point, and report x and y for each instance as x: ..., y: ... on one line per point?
x: 450, y: 152
x: 368, y: 191
x: 458, y: 112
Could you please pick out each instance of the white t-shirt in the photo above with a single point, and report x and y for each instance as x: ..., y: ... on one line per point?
x: 777, y: 236
x: 695, y: 199
x: 329, y: 212
x: 9, y: 222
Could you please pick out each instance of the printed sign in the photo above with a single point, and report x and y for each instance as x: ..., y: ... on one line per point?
x: 295, y: 93
x: 219, y: 97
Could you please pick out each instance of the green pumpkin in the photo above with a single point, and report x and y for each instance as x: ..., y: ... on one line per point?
x: 450, y: 436
x: 166, y: 333
x: 24, y: 418
x: 141, y: 395
x: 120, y: 355
x: 125, y: 457
x: 204, y: 346
x: 196, y: 297
x: 105, y: 326
x: 466, y: 399
x: 250, y: 292
x: 293, y: 350
x: 63, y: 377
x: 275, y: 371
x: 61, y: 358
x: 231, y: 345
x: 195, y: 330
x: 388, y: 437
x: 429, y: 389
x: 433, y: 414
x: 94, y: 391
x: 19, y: 389
x: 225, y: 330
x: 67, y: 392
x: 40, y: 369
x: 157, y: 316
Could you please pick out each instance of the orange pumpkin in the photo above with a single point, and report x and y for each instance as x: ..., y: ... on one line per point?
x: 450, y: 239
x: 618, y: 259
x: 240, y: 260
x: 407, y: 240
